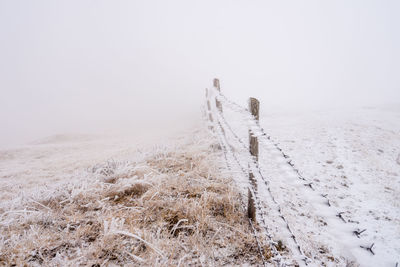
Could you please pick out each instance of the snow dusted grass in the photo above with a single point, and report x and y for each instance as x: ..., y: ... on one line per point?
x: 172, y: 207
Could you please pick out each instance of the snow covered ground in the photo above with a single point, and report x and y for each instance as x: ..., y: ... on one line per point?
x: 351, y: 156
x: 56, y: 159
x: 79, y: 200
x: 328, y: 181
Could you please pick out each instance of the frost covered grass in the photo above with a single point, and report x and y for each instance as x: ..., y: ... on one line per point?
x: 171, y: 208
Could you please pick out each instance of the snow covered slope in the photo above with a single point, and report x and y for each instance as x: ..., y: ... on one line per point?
x: 328, y: 181
x: 352, y: 156
x: 162, y: 204
x: 56, y: 159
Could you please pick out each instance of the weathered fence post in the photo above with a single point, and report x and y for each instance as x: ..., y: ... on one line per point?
x: 254, y: 108
x: 218, y: 87
x: 209, y: 110
x: 218, y: 104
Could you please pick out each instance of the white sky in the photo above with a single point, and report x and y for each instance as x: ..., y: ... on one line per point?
x: 84, y: 66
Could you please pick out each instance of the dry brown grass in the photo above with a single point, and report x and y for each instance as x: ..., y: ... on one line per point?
x: 174, y: 208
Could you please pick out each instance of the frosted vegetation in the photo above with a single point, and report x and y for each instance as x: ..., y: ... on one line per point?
x: 103, y: 201
x: 172, y: 206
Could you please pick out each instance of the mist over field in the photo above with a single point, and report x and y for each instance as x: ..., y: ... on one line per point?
x: 101, y: 66
x: 118, y: 147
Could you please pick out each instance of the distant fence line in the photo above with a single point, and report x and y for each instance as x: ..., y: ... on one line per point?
x: 219, y: 125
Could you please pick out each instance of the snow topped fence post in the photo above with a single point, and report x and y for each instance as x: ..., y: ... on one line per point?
x: 209, y: 110
x: 218, y: 103
x: 218, y: 87
x: 254, y: 108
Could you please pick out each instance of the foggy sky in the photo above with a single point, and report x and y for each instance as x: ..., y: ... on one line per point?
x: 86, y: 66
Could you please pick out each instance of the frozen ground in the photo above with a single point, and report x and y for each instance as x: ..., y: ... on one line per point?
x: 57, y: 159
x: 328, y: 181
x: 74, y: 200
x: 352, y: 157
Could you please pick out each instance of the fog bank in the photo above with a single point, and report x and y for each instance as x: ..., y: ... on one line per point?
x: 97, y: 66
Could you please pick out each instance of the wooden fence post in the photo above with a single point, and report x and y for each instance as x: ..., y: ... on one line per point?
x: 218, y: 87
x: 209, y: 110
x: 254, y: 108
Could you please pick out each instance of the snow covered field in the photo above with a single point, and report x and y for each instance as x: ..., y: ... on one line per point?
x: 328, y: 181
x: 73, y: 200
x: 351, y: 156
x: 56, y: 159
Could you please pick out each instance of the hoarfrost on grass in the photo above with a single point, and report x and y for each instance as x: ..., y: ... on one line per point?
x: 171, y: 206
